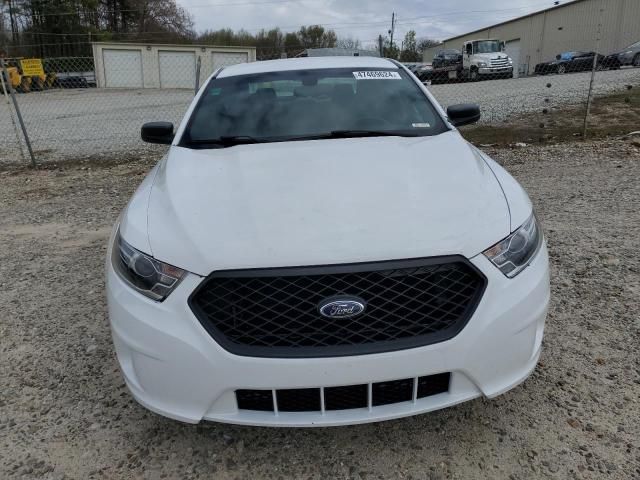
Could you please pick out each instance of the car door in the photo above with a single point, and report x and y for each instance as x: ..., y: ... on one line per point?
x: 584, y: 61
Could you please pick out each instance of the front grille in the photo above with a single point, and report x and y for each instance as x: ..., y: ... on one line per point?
x: 275, y: 312
x: 502, y: 62
x: 343, y: 398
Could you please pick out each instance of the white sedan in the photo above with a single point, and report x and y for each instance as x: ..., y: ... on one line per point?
x: 320, y: 246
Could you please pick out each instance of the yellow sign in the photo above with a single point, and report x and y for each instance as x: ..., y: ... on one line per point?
x: 32, y: 67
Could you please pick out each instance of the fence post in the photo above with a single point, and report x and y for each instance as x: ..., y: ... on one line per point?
x: 594, y: 67
x: 18, y: 114
x: 198, y: 63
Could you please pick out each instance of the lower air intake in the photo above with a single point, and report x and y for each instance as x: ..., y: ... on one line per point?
x: 344, y: 397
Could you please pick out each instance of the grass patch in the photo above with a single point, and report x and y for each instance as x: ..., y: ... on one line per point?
x: 611, y: 116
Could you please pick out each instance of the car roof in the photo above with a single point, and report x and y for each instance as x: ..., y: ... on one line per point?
x: 305, y: 63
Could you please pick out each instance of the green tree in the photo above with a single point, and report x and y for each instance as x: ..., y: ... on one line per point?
x: 66, y: 27
x: 315, y: 36
x: 409, y: 51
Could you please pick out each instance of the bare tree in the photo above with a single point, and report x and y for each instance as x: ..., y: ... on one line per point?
x: 349, y: 43
x: 426, y: 43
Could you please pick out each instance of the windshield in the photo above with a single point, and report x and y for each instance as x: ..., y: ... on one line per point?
x: 569, y: 55
x: 487, y: 46
x: 310, y: 104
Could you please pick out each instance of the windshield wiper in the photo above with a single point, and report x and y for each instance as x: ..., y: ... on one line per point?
x: 364, y: 133
x: 228, y: 141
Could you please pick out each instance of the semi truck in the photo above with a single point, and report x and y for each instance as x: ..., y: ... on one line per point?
x: 478, y: 60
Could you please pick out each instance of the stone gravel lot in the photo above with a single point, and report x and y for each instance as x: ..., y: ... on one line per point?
x: 106, y: 122
x: 66, y: 414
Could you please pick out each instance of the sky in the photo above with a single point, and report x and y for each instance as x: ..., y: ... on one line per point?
x: 361, y: 19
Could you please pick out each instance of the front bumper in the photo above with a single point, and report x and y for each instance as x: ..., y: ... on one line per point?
x: 495, y: 70
x: 173, y: 367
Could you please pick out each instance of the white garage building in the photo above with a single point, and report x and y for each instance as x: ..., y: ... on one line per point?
x: 570, y: 26
x: 138, y: 65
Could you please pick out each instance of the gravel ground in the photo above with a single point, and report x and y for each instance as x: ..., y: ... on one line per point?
x: 65, y: 412
x: 69, y: 123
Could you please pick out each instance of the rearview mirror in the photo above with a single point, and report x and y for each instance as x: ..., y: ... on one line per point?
x: 463, y: 114
x: 157, y: 132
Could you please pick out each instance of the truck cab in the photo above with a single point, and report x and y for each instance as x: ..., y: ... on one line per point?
x: 486, y: 59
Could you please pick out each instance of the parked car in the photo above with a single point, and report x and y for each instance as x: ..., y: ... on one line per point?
x: 298, y: 263
x: 446, y: 58
x: 71, y: 81
x: 628, y: 56
x: 570, y: 62
x: 424, y: 72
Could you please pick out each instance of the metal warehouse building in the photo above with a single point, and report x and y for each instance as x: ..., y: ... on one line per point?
x: 138, y: 65
x: 542, y: 35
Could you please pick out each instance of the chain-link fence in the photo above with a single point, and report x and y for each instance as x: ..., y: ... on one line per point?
x: 83, y: 107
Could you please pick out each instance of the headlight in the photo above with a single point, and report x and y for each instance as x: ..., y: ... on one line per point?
x: 513, y: 254
x: 482, y: 64
x: 143, y: 273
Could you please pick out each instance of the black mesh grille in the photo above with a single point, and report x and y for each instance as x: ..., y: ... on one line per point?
x: 396, y: 391
x: 274, y: 312
x: 344, y: 398
x: 433, y: 384
x: 261, y: 400
x: 299, y: 400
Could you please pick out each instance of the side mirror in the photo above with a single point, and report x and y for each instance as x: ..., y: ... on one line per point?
x: 469, y: 49
x: 157, y: 132
x: 463, y: 114
x: 503, y: 46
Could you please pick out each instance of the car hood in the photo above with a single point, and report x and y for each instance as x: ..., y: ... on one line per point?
x: 324, y: 202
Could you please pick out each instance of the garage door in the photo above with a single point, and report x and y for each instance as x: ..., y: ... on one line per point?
x: 177, y: 69
x: 512, y: 48
x: 224, y: 59
x: 122, y: 68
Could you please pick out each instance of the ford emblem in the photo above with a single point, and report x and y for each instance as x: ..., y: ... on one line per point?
x: 342, y: 307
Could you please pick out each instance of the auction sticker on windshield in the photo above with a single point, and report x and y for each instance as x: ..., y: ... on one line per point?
x: 377, y: 75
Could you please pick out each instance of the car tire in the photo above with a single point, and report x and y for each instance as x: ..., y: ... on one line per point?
x: 473, y: 75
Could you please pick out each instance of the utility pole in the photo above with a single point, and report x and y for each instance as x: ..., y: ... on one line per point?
x: 380, y: 46
x: 393, y: 27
